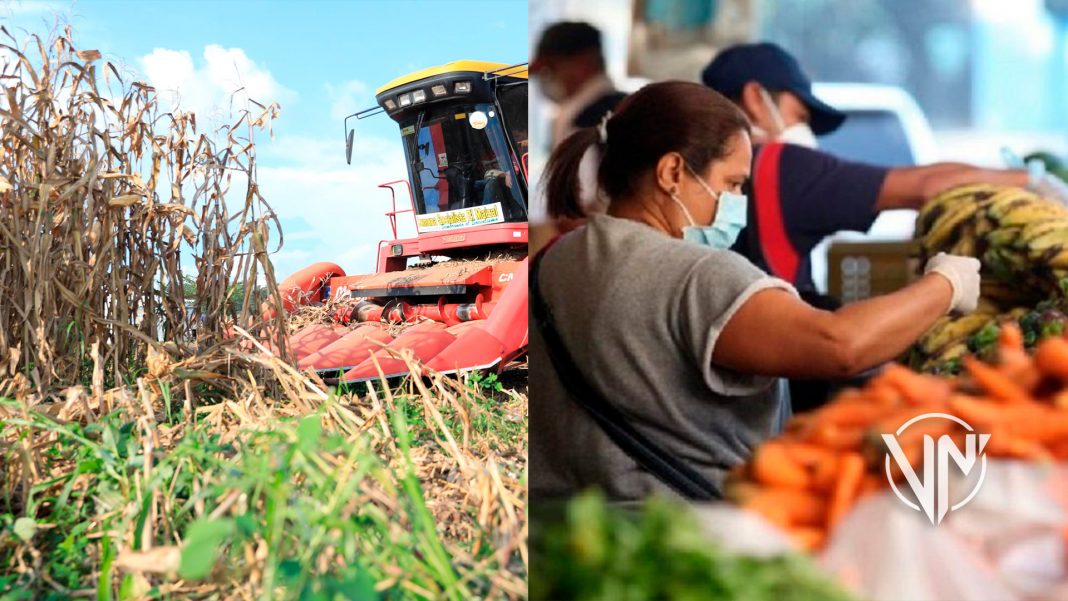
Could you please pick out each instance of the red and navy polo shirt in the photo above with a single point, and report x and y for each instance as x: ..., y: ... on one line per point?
x: 797, y: 197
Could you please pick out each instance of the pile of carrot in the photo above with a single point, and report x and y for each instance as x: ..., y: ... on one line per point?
x: 807, y: 479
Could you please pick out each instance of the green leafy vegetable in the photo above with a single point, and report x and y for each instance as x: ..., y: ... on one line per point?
x: 600, y: 552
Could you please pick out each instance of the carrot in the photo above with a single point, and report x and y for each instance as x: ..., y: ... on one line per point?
x: 1036, y: 422
x: 825, y: 473
x: 1031, y: 422
x: 773, y: 466
x: 995, y: 383
x: 807, y: 454
x: 1025, y: 374
x: 1013, y: 361
x: 980, y: 414
x: 837, y: 438
x: 850, y: 474
x: 1003, y: 444
x: 877, y: 393
x: 820, y: 462
x: 884, y: 389
x: 1051, y: 357
x: 1010, y: 338
x: 807, y: 538
x: 916, y: 388
x: 850, y: 414
x: 885, y: 396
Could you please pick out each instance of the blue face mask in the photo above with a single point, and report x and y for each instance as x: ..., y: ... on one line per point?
x: 731, y: 217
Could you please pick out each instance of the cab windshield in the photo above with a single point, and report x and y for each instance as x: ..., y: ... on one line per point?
x: 455, y: 166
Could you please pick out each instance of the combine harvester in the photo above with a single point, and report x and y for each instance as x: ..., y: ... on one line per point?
x: 455, y: 295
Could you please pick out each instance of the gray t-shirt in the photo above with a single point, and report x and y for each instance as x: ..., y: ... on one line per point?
x: 640, y: 313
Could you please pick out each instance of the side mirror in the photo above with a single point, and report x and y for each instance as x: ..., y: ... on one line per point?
x: 348, y: 146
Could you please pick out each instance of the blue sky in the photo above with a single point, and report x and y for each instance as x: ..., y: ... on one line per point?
x: 321, y: 60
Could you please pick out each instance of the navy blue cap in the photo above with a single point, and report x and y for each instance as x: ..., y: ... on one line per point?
x: 774, y: 68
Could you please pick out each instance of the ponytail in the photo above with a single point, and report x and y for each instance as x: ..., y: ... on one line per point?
x: 561, y: 179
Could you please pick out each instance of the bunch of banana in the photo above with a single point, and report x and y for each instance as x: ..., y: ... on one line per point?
x: 1021, y: 239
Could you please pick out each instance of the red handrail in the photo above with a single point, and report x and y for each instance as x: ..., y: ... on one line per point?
x: 393, y: 193
x: 526, y: 174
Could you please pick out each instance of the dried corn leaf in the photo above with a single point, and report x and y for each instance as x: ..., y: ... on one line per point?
x: 125, y: 200
x: 88, y: 55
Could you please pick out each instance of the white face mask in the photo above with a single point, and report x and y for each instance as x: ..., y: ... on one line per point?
x: 799, y: 133
x: 552, y: 89
x: 729, y: 221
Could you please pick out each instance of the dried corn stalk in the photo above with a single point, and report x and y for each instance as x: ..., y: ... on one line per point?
x: 106, y: 204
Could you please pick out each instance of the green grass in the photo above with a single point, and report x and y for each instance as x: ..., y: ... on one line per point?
x: 342, y: 503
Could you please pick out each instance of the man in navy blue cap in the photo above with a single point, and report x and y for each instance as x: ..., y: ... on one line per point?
x: 799, y: 195
x: 773, y: 91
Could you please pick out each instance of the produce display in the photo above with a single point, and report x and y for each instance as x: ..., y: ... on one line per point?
x: 1022, y: 241
x: 806, y: 480
x: 608, y: 553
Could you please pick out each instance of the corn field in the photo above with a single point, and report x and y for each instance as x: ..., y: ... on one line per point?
x: 150, y: 449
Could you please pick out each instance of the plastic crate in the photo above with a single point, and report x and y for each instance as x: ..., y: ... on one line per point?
x: 860, y: 270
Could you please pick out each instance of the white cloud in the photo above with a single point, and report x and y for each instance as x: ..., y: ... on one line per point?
x: 218, y: 87
x: 348, y: 98
x: 336, y: 210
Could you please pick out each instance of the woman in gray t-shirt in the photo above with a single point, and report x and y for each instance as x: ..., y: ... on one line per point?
x: 683, y: 337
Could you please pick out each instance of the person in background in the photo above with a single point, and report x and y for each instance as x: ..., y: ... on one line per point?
x: 645, y: 310
x: 570, y: 67
x: 801, y: 195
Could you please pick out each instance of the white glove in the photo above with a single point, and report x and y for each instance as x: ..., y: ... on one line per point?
x: 1012, y: 160
x: 1039, y: 180
x: 1044, y: 183
x: 963, y: 276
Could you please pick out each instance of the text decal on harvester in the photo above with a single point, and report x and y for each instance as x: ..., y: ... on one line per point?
x: 933, y: 491
x: 451, y: 220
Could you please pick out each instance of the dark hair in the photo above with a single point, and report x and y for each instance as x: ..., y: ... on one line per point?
x: 567, y: 39
x: 671, y: 116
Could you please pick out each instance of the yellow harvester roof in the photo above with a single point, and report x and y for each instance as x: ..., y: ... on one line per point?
x: 454, y: 67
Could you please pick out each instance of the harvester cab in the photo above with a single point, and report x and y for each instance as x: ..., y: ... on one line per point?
x: 454, y: 297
